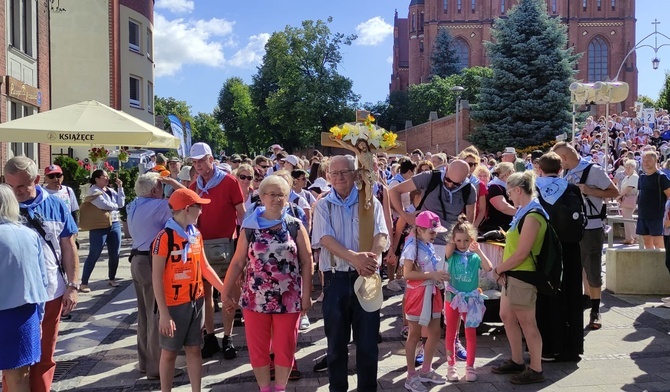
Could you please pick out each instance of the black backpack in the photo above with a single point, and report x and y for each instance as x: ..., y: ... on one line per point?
x: 435, y: 181
x: 548, y: 272
x: 592, y: 212
x: 567, y: 215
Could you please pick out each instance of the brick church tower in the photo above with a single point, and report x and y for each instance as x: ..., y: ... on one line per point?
x: 602, y: 30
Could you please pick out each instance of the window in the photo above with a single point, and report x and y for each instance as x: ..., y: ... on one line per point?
x: 553, y: 6
x: 413, y: 21
x: 459, y: 5
x: 613, y: 5
x: 150, y: 97
x: 598, y: 56
x: 134, y: 36
x: 135, y: 92
x: 17, y: 110
x: 599, y: 2
x: 463, y: 53
x: 150, y: 44
x: 584, y: 5
x: 421, y: 22
x: 445, y: 5
x: 473, y: 5
x: 21, y: 25
x: 502, y: 6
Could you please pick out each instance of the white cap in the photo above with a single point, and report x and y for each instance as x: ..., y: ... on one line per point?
x: 199, y: 150
x: 321, y: 184
x: 293, y: 160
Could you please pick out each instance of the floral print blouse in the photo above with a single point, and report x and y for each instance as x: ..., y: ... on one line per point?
x: 273, y: 283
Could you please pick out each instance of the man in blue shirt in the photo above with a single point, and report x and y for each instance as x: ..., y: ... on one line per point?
x: 51, y: 219
x: 147, y: 215
x: 654, y: 190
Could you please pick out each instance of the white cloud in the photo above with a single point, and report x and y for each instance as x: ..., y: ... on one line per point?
x: 176, y: 6
x: 373, y: 31
x: 178, y: 42
x: 389, y: 59
x: 251, y: 54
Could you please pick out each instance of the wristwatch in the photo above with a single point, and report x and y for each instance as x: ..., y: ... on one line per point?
x: 73, y: 285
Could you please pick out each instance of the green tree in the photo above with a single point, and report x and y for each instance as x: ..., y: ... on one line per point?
x: 297, y: 90
x: 443, y: 57
x: 648, y: 102
x: 664, y: 95
x: 206, y: 128
x: 166, y: 106
x: 470, y: 79
x: 526, y: 102
x: 392, y: 112
x: 428, y: 97
x: 237, y: 114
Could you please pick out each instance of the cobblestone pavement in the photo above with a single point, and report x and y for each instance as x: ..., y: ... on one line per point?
x: 96, y: 349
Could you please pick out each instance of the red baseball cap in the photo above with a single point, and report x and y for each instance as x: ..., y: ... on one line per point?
x: 184, y: 197
x: 52, y: 169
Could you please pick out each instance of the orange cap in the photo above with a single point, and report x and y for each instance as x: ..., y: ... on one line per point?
x: 184, y: 197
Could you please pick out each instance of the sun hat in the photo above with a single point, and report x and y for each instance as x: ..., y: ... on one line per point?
x: 428, y: 220
x: 369, y: 292
x: 52, y: 169
x: 184, y: 197
x: 184, y: 173
x: 199, y: 150
x: 509, y: 150
x: 174, y: 159
x: 321, y: 184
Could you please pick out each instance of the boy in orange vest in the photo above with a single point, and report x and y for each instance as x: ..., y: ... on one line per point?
x: 178, y: 267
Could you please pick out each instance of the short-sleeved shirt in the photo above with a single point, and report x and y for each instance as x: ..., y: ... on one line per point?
x: 182, y: 281
x: 496, y: 218
x: 409, y: 251
x: 651, y: 199
x: 446, y: 204
x: 512, y: 242
x: 599, y: 179
x: 66, y: 194
x: 219, y: 218
x: 464, y: 276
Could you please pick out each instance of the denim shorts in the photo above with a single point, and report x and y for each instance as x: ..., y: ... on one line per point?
x: 652, y: 227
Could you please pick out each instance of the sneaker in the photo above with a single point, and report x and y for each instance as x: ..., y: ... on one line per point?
x: 320, y: 298
x: 470, y: 374
x: 666, y: 304
x: 594, y: 322
x: 418, y: 361
x: 528, y: 376
x: 452, y: 373
x: 414, y: 384
x: 394, y: 285
x: 509, y: 367
x: 432, y: 378
x: 229, y: 351
x: 84, y: 289
x: 666, y: 299
x: 322, y: 365
x: 304, y: 322
x: 211, y: 346
x: 461, y: 353
x: 295, y: 373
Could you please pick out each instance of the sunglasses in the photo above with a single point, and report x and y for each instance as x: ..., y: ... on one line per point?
x: 236, y: 161
x: 447, y: 179
x: 257, y: 179
x: 245, y: 178
x: 472, y: 164
x: 55, y: 175
x: 264, y: 166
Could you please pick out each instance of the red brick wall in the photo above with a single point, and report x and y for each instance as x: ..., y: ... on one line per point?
x: 439, y: 135
x: 43, y: 72
x: 114, y: 55
x: 3, y: 71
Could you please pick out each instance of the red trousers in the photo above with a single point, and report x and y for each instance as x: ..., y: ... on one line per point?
x: 260, y: 328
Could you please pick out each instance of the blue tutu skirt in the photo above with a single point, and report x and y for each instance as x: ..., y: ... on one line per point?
x: 19, y: 337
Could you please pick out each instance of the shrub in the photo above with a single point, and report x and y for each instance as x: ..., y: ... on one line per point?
x: 74, y: 175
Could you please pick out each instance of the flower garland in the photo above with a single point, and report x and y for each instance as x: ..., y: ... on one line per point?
x: 375, y: 136
x: 123, y: 155
x: 97, y: 154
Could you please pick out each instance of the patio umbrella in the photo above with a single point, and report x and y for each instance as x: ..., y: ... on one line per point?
x: 85, y: 124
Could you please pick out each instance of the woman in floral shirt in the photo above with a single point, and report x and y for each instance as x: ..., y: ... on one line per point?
x: 276, y: 287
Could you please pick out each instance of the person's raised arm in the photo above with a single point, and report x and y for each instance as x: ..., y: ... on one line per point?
x: 396, y: 202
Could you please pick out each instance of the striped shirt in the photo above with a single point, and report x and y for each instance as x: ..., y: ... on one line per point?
x: 335, y: 221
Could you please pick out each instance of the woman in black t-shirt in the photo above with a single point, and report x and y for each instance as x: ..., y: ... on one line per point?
x: 499, y: 209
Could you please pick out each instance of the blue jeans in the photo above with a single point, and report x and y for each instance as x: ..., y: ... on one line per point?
x: 97, y: 239
x: 341, y: 313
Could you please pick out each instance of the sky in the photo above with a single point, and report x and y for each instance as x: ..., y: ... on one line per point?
x: 201, y: 43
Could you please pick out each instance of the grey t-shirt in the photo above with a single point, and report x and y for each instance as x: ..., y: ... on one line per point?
x: 446, y: 204
x: 597, y: 178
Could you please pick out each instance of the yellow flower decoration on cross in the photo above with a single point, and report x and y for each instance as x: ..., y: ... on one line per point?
x: 389, y: 140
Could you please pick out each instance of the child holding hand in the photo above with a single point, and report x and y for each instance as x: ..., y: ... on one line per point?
x: 464, y: 259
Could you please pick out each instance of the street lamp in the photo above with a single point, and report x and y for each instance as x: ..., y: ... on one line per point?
x: 655, y: 62
x: 457, y: 90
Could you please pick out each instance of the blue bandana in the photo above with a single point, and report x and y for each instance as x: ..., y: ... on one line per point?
x: 572, y: 176
x: 428, y: 248
x: 534, y: 204
x: 39, y: 198
x: 256, y: 221
x: 398, y: 177
x: 465, y: 256
x: 216, y: 179
x: 347, y: 203
x: 191, y: 235
x: 551, y: 188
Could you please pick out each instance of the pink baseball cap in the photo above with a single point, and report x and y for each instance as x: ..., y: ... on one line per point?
x: 429, y: 220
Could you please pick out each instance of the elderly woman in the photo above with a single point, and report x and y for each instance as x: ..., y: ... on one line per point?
x: 275, y: 252
x: 23, y: 292
x: 105, y: 198
x: 628, y: 198
x: 517, y: 303
x: 499, y: 211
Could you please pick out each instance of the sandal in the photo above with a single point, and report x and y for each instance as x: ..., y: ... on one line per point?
x: 594, y: 322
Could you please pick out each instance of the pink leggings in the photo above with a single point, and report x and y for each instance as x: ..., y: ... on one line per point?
x: 452, y: 319
x: 259, y: 329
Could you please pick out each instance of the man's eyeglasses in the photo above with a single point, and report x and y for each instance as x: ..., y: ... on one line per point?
x: 340, y: 173
x: 54, y: 175
x: 245, y: 178
x: 449, y: 180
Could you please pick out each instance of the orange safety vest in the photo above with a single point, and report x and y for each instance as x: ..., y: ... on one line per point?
x: 182, y: 281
